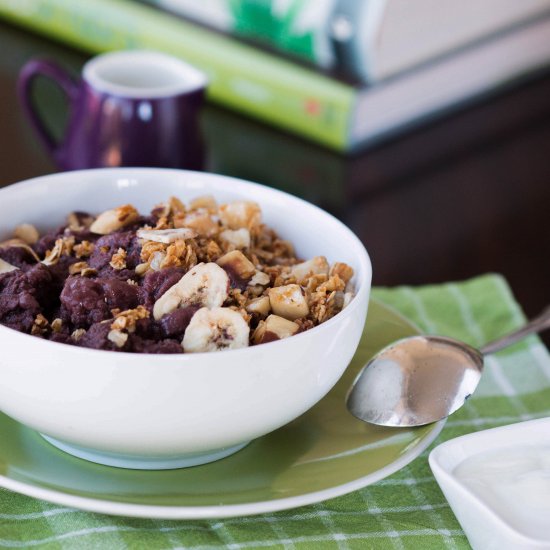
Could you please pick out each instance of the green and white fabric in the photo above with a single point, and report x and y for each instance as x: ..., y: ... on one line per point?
x: 406, y: 510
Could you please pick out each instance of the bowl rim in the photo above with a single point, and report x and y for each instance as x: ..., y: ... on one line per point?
x: 362, y: 256
x: 445, y: 476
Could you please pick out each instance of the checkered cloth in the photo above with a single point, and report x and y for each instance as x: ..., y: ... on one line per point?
x: 406, y: 510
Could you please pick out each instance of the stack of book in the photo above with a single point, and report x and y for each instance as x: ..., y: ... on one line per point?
x: 342, y: 73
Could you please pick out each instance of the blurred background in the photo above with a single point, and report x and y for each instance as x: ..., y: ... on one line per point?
x: 424, y: 126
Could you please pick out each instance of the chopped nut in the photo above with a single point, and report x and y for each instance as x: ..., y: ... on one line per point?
x: 314, y: 282
x: 304, y: 324
x: 88, y: 272
x: 27, y: 233
x: 78, y: 222
x: 201, y: 221
x: 157, y: 256
x: 163, y: 223
x: 326, y: 298
x: 169, y: 213
x: 131, y: 282
x: 166, y: 236
x: 274, y: 328
x: 338, y: 298
x: 149, y: 248
x: 78, y: 267
x: 255, y: 291
x: 315, y: 266
x: 175, y: 254
x: 118, y: 260
x: 260, y: 306
x: 344, y: 271
x: 208, y: 202
x: 62, y: 247
x: 288, y: 302
x: 175, y: 206
x: 114, y: 219
x: 348, y: 296
x: 142, y: 269
x: 40, y: 325
x: 238, y: 238
x: 283, y: 249
x: 156, y: 261
x: 19, y: 243
x: 212, y: 251
x: 260, y: 278
x: 280, y: 275
x: 6, y: 267
x: 84, y: 249
x: 117, y: 337
x: 57, y: 325
x: 237, y: 298
x: 331, y: 284
x: 78, y: 334
x: 239, y: 214
x: 126, y: 320
x: 73, y: 223
x: 238, y: 263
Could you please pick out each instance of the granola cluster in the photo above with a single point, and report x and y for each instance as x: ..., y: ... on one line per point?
x: 194, y: 278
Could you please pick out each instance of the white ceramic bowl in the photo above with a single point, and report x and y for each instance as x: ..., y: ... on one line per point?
x: 145, y: 411
x: 490, y: 523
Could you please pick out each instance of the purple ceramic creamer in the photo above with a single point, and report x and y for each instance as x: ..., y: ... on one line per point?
x: 130, y: 108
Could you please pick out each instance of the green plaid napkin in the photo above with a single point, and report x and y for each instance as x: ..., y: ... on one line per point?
x: 406, y: 510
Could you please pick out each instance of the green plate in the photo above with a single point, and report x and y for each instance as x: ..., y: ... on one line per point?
x: 323, y: 454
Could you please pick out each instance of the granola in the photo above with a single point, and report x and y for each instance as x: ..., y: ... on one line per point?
x: 186, y: 278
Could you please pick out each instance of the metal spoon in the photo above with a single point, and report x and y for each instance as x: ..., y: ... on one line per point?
x: 422, y: 379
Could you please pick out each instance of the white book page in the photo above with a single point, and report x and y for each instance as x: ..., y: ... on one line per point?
x: 387, y: 106
x: 414, y: 31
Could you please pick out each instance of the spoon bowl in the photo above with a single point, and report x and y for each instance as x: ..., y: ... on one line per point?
x: 415, y: 381
x: 422, y: 379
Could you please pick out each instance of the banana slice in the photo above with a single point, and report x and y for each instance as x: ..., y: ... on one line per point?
x: 204, y: 285
x: 216, y: 329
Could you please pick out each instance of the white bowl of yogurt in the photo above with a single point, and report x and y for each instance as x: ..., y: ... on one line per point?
x: 497, y: 482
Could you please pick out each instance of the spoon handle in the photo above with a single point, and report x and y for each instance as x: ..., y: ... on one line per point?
x: 538, y: 324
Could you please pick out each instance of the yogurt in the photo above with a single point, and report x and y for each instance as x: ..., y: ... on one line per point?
x: 515, y: 483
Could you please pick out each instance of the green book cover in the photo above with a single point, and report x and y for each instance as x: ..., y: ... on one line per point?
x: 299, y: 28
x: 245, y: 79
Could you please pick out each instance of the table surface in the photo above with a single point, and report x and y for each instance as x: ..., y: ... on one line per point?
x: 461, y: 196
